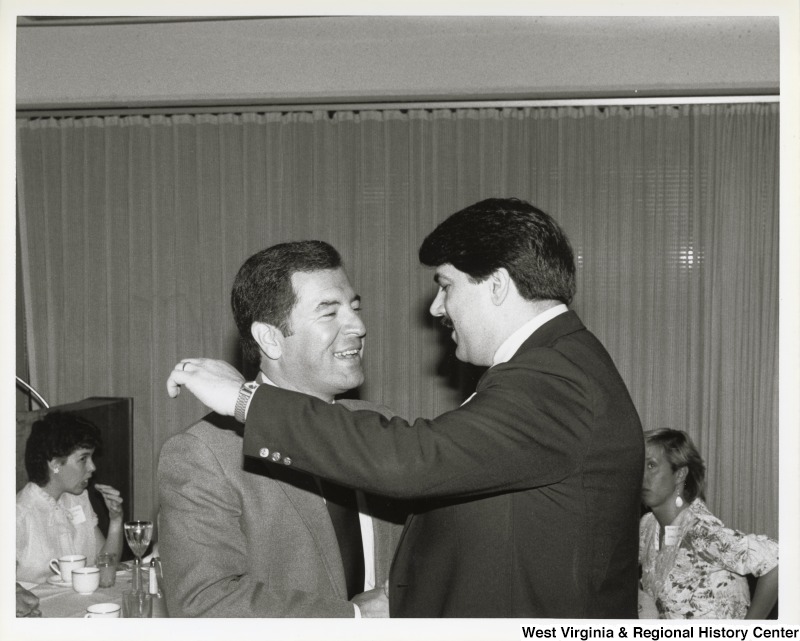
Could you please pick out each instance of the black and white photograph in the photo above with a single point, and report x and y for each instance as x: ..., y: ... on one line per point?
x: 477, y: 320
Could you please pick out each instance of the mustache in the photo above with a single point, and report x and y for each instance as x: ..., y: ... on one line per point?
x: 446, y: 322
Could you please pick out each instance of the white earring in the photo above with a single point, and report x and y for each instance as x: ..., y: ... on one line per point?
x: 678, y: 501
x: 56, y: 470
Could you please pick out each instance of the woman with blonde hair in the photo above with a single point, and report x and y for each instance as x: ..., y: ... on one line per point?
x: 693, y: 567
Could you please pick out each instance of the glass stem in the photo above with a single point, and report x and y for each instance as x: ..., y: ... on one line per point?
x: 136, y: 576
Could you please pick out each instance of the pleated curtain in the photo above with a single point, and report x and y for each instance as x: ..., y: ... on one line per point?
x: 132, y: 228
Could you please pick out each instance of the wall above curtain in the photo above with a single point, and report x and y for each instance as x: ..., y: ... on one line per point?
x: 133, y: 227
x: 326, y: 59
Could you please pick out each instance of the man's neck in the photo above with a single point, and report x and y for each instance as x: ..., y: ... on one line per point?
x: 274, y: 378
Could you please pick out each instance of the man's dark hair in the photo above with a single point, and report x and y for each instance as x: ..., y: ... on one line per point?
x: 510, y: 233
x: 57, y: 435
x: 262, y: 290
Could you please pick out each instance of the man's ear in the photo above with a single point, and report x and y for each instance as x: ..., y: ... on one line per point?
x: 269, y: 338
x: 500, y: 285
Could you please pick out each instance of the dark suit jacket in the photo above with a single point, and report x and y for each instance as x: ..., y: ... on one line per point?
x: 242, y: 542
x: 527, y: 496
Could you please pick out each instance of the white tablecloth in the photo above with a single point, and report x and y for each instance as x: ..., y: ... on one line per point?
x: 57, y: 601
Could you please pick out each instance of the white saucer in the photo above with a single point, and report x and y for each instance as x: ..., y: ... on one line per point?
x: 56, y: 580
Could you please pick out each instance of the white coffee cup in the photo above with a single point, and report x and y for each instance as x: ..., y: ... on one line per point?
x: 85, y: 580
x: 103, y: 611
x: 64, y: 565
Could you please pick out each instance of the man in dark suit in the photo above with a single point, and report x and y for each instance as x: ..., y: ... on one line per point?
x: 241, y: 540
x: 527, y: 496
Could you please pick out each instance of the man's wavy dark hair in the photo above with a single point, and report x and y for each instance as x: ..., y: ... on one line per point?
x: 510, y: 233
x: 262, y: 290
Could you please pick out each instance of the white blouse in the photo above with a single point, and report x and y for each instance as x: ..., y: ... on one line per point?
x: 48, y: 529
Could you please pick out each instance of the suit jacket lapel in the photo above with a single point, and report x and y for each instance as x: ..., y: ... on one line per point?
x: 303, y: 493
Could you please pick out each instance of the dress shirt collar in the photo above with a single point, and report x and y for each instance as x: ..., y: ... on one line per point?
x: 513, y: 342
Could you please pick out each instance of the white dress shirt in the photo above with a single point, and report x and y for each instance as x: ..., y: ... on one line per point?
x: 514, y: 342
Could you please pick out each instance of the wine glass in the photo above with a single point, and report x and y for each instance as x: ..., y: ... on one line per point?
x: 138, y: 535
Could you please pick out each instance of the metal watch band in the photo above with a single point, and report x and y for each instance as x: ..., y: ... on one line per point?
x: 243, y: 400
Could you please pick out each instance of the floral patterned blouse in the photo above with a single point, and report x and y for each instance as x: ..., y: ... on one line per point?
x: 702, y: 576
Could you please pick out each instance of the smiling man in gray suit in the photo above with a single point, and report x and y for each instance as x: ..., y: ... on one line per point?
x: 239, y: 540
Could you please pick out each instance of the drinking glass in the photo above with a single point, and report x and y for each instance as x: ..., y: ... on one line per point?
x: 108, y: 569
x: 137, y: 605
x: 138, y: 535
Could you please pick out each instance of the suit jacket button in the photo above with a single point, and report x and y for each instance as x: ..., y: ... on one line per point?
x: 263, y: 452
x: 287, y: 461
x: 276, y: 456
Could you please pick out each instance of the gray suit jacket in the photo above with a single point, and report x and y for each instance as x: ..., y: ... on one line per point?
x: 239, y: 540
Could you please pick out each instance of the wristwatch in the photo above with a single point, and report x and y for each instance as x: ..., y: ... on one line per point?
x: 246, y: 392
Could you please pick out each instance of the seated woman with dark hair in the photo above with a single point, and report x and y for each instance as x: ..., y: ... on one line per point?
x: 54, y: 515
x: 694, y: 567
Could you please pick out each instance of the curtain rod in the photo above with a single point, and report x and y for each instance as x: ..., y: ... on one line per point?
x: 383, y: 106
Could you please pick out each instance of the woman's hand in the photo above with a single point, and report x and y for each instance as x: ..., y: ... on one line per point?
x: 112, y: 499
